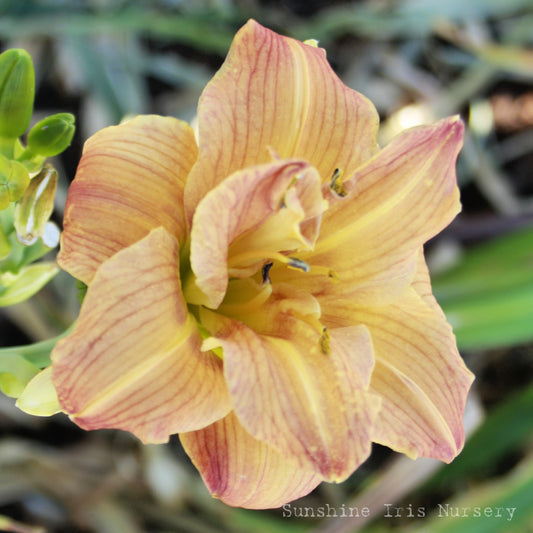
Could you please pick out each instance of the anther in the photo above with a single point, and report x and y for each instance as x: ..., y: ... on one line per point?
x: 265, y: 271
x: 325, y: 344
x: 336, y: 183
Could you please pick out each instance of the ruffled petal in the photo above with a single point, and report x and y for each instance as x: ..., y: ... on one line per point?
x: 242, y: 471
x: 276, y: 93
x: 304, y: 392
x: 130, y: 180
x: 133, y: 360
x: 419, y: 374
x: 400, y: 198
x: 261, y: 210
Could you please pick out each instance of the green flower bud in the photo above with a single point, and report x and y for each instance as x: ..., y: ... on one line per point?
x: 14, y: 179
x: 17, y: 89
x: 51, y: 135
x: 34, y: 210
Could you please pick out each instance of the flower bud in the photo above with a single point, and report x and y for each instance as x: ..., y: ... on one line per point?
x: 34, y: 210
x: 51, y: 135
x: 14, y: 179
x: 17, y: 89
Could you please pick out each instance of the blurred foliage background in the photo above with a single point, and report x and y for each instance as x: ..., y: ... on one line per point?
x: 417, y: 60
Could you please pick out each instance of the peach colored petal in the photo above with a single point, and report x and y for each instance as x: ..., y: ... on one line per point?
x: 422, y: 284
x: 257, y: 209
x: 419, y: 374
x: 242, y: 471
x: 303, y: 393
x: 276, y: 93
x: 398, y: 200
x: 130, y: 180
x: 133, y: 360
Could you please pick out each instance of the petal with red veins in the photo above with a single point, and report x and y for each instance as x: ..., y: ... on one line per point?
x: 130, y: 180
x: 133, y: 360
x: 242, y: 471
x: 307, y: 400
x: 400, y: 198
x: 258, y: 210
x: 276, y: 93
x: 419, y: 374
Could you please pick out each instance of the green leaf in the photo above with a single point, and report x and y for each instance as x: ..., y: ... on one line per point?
x: 492, y: 320
x: 16, y: 288
x: 488, y: 295
x: 200, y: 29
x: 410, y: 18
x: 503, y: 506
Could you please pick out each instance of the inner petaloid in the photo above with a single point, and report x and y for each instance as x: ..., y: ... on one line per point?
x: 274, y: 245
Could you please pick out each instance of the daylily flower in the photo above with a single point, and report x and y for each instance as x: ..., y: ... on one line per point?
x: 264, y: 292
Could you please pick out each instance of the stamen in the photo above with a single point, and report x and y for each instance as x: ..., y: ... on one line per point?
x: 336, y: 183
x: 265, y: 271
x: 247, y: 258
x: 325, y: 342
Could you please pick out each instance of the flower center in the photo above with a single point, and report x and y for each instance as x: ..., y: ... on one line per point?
x: 265, y: 278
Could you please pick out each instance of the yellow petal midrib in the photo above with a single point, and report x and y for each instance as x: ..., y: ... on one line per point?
x: 301, y: 99
x: 327, y: 242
